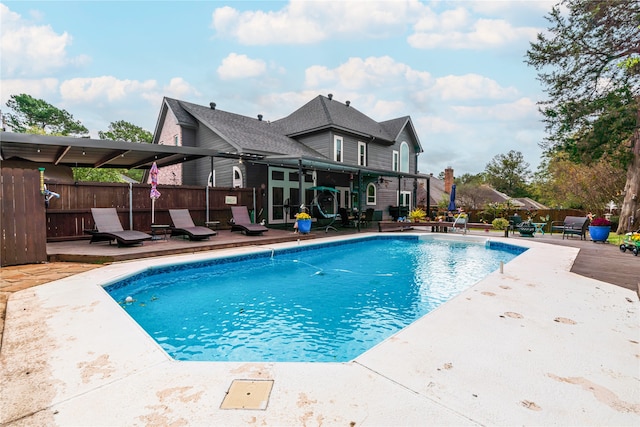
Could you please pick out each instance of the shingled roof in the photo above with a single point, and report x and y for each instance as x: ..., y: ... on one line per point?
x: 322, y: 113
x: 245, y: 134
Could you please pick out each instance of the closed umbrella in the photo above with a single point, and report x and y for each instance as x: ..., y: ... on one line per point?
x: 452, y: 199
x: 154, y: 191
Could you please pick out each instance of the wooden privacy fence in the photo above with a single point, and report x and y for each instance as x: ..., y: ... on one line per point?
x: 23, y: 238
x: 68, y: 216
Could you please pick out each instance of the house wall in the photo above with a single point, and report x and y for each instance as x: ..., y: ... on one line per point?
x: 197, y: 172
x: 320, y: 143
x: 170, y: 175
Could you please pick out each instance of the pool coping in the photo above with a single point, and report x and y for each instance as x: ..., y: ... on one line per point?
x: 533, y: 345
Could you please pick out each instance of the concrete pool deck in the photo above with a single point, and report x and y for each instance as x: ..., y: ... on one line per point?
x: 531, y: 346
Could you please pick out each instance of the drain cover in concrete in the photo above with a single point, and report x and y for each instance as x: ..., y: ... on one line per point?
x: 248, y: 394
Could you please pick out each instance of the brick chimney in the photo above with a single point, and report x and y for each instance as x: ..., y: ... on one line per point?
x: 448, y: 179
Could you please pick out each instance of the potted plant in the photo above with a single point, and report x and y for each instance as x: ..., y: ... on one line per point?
x: 417, y: 215
x: 599, y: 229
x: 303, y: 222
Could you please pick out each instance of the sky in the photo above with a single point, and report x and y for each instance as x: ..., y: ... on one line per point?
x: 455, y: 67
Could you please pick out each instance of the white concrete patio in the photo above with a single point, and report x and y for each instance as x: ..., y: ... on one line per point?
x: 536, y: 345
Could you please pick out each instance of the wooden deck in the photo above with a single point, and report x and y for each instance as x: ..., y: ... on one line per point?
x: 601, y: 261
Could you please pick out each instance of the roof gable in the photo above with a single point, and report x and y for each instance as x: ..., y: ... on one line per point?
x: 245, y: 134
x: 322, y: 113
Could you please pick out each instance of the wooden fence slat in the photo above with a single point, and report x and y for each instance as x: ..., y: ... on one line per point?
x: 68, y: 216
x: 23, y: 218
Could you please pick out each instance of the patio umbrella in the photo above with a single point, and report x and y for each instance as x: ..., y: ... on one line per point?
x: 154, y: 191
x: 452, y: 199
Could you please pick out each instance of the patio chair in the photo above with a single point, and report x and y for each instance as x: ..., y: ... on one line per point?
x: 367, y: 218
x: 242, y: 222
x: 324, y: 220
x: 345, y: 221
x: 109, y: 228
x: 572, y: 226
x: 183, y: 226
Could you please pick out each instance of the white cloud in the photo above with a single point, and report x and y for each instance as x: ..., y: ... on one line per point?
x: 177, y: 88
x: 470, y: 86
x: 520, y: 109
x: 31, y: 50
x: 482, y: 34
x: 261, y: 28
x: 41, y: 89
x: 109, y: 88
x: 434, y: 124
x: 372, y: 72
x: 236, y: 66
x: 304, y: 22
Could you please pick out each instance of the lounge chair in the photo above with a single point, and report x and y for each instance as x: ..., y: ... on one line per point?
x: 242, y: 222
x: 183, y: 226
x: 109, y: 228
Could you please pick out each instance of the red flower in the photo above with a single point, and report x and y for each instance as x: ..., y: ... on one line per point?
x: 600, y: 221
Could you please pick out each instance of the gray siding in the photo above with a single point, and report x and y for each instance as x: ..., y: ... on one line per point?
x: 197, y: 172
x: 320, y: 143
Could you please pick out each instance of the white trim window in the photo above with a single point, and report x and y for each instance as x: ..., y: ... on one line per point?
x: 371, y: 195
x: 362, y: 154
x: 405, y: 198
x: 237, y: 177
x: 176, y: 140
x: 338, y: 149
x: 395, y: 162
x: 404, y: 157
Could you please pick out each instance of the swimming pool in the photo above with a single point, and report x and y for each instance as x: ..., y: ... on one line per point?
x: 323, y: 303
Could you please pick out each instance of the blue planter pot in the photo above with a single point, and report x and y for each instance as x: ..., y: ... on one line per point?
x: 304, y: 226
x: 599, y: 233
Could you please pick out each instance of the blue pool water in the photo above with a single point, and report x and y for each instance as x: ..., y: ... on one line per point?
x: 326, y: 304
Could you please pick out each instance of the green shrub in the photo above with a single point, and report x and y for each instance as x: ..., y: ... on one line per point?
x: 500, y: 224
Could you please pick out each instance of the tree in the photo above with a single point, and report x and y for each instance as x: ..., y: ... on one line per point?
x: 579, y: 186
x: 125, y: 131
x: 30, y: 112
x: 508, y: 173
x: 589, y: 65
x: 118, y: 131
x: 467, y: 178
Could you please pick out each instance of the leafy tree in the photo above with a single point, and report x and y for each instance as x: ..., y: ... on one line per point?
x: 579, y: 186
x: 118, y: 131
x: 508, y: 173
x: 125, y: 131
x: 467, y: 178
x: 31, y: 112
x: 589, y: 64
x: 98, y: 175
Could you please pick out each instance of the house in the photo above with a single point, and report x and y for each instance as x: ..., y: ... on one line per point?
x: 324, y: 143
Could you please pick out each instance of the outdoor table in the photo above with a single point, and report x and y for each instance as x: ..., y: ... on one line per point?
x: 539, y: 226
x: 212, y: 224
x: 159, y: 231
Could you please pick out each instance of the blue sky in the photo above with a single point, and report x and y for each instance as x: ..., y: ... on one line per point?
x: 456, y: 67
